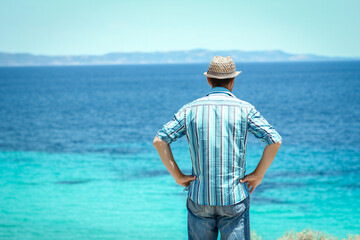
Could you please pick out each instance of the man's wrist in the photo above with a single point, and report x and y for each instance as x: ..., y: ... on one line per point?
x: 259, y: 174
x: 178, y: 177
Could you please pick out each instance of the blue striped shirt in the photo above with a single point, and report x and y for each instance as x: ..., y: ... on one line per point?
x: 216, y: 128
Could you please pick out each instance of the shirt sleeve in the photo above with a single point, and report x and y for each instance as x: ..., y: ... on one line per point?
x: 261, y: 129
x: 174, y: 129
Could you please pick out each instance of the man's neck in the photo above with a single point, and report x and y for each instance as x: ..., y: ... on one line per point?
x: 227, y: 88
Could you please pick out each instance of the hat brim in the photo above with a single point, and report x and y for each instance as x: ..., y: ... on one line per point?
x: 222, y: 75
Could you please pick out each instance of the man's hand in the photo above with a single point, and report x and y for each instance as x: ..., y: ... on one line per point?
x: 185, y: 180
x: 253, y: 180
x: 168, y: 160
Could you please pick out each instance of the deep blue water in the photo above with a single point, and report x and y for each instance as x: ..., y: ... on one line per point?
x: 76, y: 144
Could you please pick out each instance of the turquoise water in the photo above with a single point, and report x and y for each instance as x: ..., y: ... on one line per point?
x: 77, y: 161
x: 103, y: 196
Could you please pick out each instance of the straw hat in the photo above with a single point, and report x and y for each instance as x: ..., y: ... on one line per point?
x: 222, y: 67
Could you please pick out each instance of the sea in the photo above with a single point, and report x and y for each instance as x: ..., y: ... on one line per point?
x: 77, y: 160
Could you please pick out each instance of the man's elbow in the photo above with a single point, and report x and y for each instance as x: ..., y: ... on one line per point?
x: 157, y: 142
x: 275, y: 144
x: 278, y: 144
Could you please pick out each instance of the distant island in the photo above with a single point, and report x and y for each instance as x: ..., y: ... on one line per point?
x: 170, y: 57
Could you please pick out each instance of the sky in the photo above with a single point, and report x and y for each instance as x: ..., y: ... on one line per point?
x: 73, y: 27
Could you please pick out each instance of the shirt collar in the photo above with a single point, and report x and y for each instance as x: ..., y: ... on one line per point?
x: 220, y: 90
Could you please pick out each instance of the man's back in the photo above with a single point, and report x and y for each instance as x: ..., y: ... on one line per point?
x: 216, y: 127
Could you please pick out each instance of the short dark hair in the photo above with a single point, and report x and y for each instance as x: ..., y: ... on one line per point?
x: 215, y: 82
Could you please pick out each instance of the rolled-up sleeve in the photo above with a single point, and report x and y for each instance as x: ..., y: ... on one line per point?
x: 261, y: 129
x: 174, y: 129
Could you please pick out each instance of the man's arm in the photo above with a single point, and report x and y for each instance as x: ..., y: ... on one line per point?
x: 267, y: 158
x: 255, y: 178
x: 262, y: 130
x: 165, y: 153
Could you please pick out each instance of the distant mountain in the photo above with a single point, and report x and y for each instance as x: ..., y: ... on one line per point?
x: 191, y: 56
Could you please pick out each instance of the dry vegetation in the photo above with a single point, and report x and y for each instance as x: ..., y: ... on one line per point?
x: 306, y: 234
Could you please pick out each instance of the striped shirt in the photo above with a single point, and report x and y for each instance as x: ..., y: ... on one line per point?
x: 216, y: 128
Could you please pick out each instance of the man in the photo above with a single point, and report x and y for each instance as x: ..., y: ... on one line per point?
x: 216, y: 127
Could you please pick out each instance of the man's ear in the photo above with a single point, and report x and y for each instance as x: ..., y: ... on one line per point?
x: 232, y: 83
x: 209, y: 81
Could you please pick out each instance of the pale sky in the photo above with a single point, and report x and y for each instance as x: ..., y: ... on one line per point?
x: 62, y: 27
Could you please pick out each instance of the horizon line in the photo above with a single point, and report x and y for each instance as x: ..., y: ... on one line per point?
x: 170, y: 51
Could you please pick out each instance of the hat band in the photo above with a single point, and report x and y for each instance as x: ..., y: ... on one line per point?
x: 220, y: 74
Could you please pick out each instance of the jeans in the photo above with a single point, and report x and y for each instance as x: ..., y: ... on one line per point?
x: 205, y: 221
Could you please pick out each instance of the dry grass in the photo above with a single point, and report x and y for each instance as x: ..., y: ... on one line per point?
x: 254, y: 236
x: 306, y: 234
